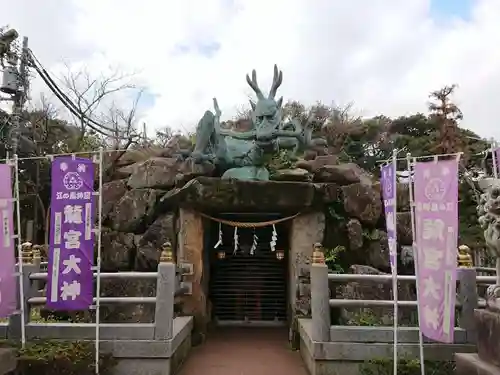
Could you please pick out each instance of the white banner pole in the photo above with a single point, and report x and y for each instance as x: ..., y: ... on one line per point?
x: 98, y: 263
x: 494, y: 160
x: 415, y: 257
x: 395, y: 268
x: 19, y: 250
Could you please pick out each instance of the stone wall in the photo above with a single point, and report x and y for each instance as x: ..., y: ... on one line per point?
x: 153, y: 197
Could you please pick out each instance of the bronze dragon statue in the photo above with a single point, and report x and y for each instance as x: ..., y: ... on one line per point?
x: 243, y: 154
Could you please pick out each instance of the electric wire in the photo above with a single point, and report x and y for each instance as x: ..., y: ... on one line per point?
x: 66, y: 101
x: 70, y: 107
x: 51, y: 83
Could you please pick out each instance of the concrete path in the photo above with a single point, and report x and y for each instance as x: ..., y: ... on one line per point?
x: 245, y: 351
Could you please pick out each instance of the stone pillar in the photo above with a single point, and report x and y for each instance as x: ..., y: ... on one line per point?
x: 468, y: 297
x: 306, y: 230
x: 165, y: 292
x: 191, y: 251
x: 320, y: 297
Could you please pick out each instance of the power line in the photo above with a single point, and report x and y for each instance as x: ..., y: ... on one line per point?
x: 66, y: 101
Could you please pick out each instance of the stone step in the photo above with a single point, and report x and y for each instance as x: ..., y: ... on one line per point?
x: 8, y: 360
x: 488, y: 339
x: 470, y: 363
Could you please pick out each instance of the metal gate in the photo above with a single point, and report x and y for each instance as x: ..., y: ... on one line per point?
x: 246, y: 288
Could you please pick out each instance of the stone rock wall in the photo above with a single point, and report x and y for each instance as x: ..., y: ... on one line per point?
x: 141, y: 201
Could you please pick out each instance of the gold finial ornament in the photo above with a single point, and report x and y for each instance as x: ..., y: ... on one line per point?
x: 166, y: 253
x: 464, y: 258
x: 318, y: 256
x: 26, y: 252
x: 37, y: 254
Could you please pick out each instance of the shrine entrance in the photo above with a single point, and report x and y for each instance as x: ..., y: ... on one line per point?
x: 248, y: 282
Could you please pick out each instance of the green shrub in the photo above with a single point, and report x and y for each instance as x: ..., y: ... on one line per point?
x: 365, y: 317
x: 384, y: 366
x: 61, y: 358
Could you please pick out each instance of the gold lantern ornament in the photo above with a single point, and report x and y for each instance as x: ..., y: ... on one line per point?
x: 464, y: 258
x: 280, y: 254
x: 318, y: 255
x: 26, y: 252
x: 166, y: 255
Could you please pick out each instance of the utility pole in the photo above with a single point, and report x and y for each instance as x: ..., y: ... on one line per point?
x: 144, y: 134
x: 14, y: 83
x: 19, y: 98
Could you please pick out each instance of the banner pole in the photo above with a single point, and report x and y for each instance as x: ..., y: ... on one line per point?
x: 19, y: 251
x: 494, y: 160
x: 415, y: 258
x: 395, y: 266
x: 98, y: 264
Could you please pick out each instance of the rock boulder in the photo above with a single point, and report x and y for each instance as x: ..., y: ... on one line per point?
x: 318, y: 162
x: 405, y: 235
x: 112, y: 192
x: 295, y: 174
x: 118, y: 250
x: 355, y: 234
x: 343, y: 174
x: 362, y: 202
x: 134, y: 210
x: 162, y: 173
x: 149, y: 247
x: 378, y: 250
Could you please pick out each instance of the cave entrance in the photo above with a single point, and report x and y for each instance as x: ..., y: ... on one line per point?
x: 248, y: 287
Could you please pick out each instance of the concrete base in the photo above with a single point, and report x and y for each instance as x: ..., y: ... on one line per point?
x: 153, y: 357
x: 321, y: 366
x: 8, y: 361
x: 345, y: 357
x: 470, y: 363
x: 488, y: 338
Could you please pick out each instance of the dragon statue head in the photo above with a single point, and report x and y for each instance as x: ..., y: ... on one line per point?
x: 266, y: 112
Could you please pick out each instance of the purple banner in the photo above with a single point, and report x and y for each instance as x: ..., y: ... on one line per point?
x: 388, y: 185
x: 436, y: 216
x: 8, y: 298
x: 71, y: 252
x: 497, y: 159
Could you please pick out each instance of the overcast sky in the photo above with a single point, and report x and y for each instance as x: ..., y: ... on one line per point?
x: 384, y: 55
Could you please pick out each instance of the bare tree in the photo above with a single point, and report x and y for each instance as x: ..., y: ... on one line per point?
x: 123, y: 123
x: 163, y: 136
x: 125, y: 133
x: 95, y: 101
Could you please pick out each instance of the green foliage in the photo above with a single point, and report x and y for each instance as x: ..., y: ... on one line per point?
x: 336, y: 212
x: 384, y: 366
x: 280, y: 160
x: 371, y: 235
x: 365, y: 317
x: 471, y: 235
x: 62, y: 358
x: 331, y: 258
